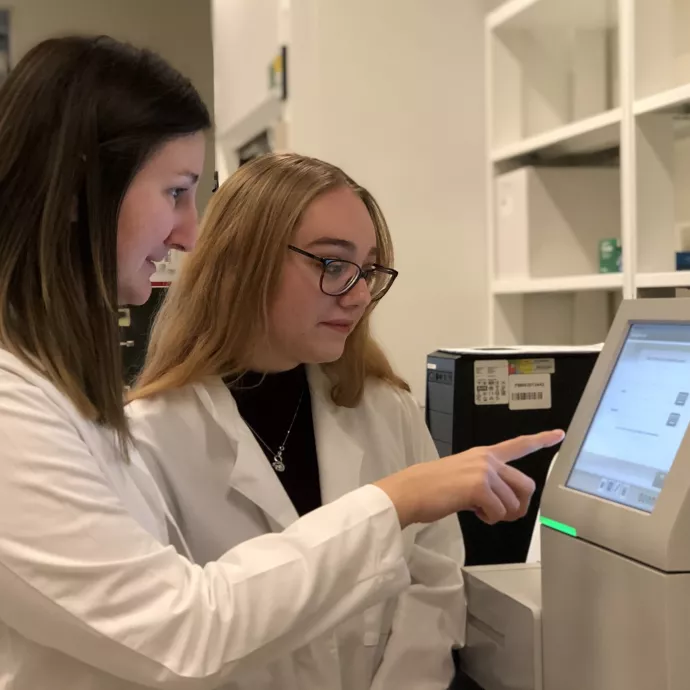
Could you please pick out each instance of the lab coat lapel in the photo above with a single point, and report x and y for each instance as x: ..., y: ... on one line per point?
x: 339, y: 454
x: 250, y: 475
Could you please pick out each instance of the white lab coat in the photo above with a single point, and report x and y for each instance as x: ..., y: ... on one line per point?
x: 222, y: 491
x: 92, y: 599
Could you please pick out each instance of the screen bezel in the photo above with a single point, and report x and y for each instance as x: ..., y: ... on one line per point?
x: 573, y: 469
x: 629, y: 531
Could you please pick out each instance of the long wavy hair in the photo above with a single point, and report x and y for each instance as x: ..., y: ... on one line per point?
x: 217, y: 310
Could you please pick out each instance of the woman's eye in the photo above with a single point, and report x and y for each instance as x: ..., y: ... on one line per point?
x: 177, y: 192
x: 335, y: 268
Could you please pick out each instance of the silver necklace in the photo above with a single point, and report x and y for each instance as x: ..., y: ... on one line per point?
x: 277, y: 463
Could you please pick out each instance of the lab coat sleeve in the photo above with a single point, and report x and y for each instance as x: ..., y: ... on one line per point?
x: 429, y: 619
x: 78, y: 574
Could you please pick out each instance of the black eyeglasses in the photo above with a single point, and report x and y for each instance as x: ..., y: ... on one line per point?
x: 339, y: 276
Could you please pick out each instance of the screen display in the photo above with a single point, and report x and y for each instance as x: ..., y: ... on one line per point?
x: 641, y: 419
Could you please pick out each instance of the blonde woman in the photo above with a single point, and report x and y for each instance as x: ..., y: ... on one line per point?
x: 265, y: 396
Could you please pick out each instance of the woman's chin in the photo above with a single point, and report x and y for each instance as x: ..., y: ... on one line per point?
x: 134, y: 295
x: 324, y: 355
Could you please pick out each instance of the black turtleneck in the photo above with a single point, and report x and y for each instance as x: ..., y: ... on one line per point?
x: 267, y: 402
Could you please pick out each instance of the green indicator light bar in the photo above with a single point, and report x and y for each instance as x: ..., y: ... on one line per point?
x: 558, y: 526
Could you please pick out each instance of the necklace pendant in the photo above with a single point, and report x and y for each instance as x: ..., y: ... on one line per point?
x: 278, y: 464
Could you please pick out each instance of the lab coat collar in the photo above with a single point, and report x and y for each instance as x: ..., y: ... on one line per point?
x: 250, y: 475
x: 339, y: 455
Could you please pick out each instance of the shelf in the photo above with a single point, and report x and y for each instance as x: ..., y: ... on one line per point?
x: 545, y: 14
x: 509, y: 11
x: 596, y: 133
x: 670, y: 101
x: 265, y: 115
x: 604, y: 281
x: 670, y: 279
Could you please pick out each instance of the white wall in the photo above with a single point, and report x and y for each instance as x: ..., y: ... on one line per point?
x: 247, y: 36
x: 245, y: 40
x: 490, y: 5
x: 180, y: 30
x: 393, y: 91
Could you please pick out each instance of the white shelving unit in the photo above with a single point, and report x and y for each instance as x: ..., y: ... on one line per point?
x: 528, y: 286
x: 672, y: 279
x: 601, y: 87
x: 589, y: 135
x: 671, y: 100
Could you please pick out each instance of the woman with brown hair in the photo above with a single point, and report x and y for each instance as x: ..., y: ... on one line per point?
x: 101, y: 148
x: 264, y: 396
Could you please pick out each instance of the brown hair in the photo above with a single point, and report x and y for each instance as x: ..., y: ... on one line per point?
x: 79, y: 116
x: 234, y: 270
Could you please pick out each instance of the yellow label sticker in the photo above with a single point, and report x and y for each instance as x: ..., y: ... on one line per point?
x: 544, y: 365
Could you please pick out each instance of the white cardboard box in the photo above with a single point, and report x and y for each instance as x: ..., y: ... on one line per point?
x: 549, y: 220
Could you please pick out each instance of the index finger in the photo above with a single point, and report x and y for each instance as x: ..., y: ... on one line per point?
x: 517, y: 448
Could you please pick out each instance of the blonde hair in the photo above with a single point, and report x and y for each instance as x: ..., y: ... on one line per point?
x: 217, y: 311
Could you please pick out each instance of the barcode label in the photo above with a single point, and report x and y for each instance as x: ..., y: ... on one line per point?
x: 536, y: 395
x: 530, y: 391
